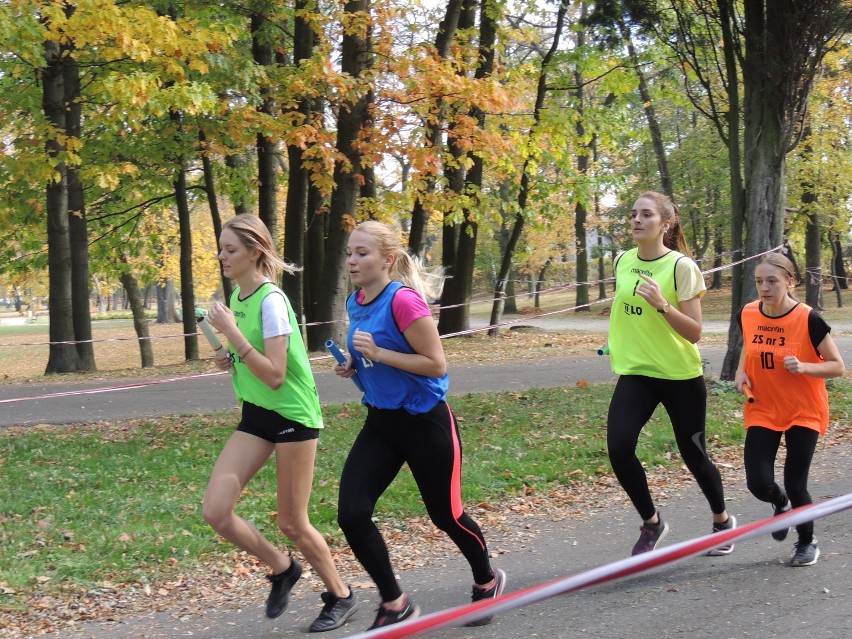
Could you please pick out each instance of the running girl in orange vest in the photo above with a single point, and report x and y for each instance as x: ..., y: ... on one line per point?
x: 787, y: 355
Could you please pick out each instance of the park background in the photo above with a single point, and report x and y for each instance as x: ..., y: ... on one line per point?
x: 506, y: 140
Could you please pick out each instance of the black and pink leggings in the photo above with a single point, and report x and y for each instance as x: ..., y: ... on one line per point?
x: 429, y: 443
x: 633, y: 403
x: 761, y: 448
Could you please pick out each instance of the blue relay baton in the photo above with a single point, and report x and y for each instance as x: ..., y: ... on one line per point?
x: 341, y: 359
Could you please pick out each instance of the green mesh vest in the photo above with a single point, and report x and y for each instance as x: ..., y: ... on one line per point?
x: 297, y: 399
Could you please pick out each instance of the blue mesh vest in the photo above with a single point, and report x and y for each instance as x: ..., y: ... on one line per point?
x: 386, y: 386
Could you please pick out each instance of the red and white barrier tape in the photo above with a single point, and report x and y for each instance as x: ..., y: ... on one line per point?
x: 609, y: 572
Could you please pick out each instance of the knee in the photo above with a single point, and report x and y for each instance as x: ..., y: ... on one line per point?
x: 215, y: 515
x: 759, y: 487
x: 351, y: 518
x: 620, y: 454
x: 292, y: 528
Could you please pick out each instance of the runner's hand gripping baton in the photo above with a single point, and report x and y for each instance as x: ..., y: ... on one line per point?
x: 210, y: 334
x: 341, y: 359
x: 749, y: 395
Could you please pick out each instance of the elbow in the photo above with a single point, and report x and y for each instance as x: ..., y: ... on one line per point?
x: 276, y: 382
x: 439, y: 369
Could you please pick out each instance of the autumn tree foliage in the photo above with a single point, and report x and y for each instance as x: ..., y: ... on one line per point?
x: 494, y: 133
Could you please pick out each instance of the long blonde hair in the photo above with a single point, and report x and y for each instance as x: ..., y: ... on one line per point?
x: 669, y: 213
x: 253, y: 234
x: 408, y: 270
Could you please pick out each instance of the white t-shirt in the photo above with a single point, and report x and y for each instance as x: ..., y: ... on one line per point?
x: 274, y: 316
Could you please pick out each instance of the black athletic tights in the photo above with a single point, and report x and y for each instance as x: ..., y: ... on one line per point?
x: 761, y: 448
x: 429, y: 443
x: 633, y: 402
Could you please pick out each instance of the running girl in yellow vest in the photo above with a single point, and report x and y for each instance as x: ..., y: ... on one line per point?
x: 280, y: 414
x: 787, y: 355
x: 654, y: 325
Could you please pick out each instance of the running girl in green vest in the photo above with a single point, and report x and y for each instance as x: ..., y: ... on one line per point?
x: 654, y: 325
x: 280, y: 414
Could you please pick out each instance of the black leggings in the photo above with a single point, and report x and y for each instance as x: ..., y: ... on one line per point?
x: 429, y: 443
x: 633, y: 402
x: 761, y: 448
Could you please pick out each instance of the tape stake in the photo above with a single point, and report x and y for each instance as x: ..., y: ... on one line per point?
x: 334, y: 349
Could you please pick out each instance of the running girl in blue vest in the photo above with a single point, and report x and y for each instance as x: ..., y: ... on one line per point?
x: 280, y: 415
x: 654, y: 325
x: 397, y: 354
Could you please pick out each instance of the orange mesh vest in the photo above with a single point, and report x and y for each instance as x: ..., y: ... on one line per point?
x: 782, y: 399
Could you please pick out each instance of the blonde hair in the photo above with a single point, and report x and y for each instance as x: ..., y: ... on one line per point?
x: 408, y: 270
x: 254, y: 235
x: 780, y: 261
x: 674, y: 238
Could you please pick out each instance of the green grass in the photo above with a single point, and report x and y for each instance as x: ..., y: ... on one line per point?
x: 86, y: 506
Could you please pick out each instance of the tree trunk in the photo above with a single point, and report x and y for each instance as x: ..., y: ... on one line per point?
x: 838, y: 268
x: 419, y: 215
x: 583, y: 154
x: 63, y: 357
x: 266, y: 174
x: 650, y: 113
x: 140, y: 323
x: 459, y: 289
x: 331, y: 297
x: 718, y: 250
x: 813, y: 263
x: 296, y: 212
x: 78, y: 235
x: 523, y: 193
x: 187, y: 286
x: 213, y: 205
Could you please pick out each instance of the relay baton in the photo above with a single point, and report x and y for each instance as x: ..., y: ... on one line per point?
x: 341, y: 359
x: 210, y: 334
x: 749, y: 395
x: 604, y: 350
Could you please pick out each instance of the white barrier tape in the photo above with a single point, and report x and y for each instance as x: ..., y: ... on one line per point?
x: 609, y: 572
x: 439, y: 308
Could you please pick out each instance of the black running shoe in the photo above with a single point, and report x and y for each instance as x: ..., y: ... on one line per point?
x: 488, y: 593
x: 727, y: 549
x: 805, y: 554
x: 781, y: 535
x: 385, y: 617
x: 282, y: 583
x: 649, y: 536
x: 335, y: 612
